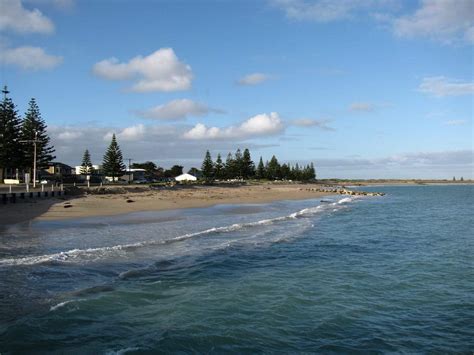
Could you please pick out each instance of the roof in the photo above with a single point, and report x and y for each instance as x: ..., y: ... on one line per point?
x: 185, y: 177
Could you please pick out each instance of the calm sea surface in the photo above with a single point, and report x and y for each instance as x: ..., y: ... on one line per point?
x: 379, y: 274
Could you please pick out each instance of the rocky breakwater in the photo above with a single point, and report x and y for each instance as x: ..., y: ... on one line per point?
x: 344, y: 191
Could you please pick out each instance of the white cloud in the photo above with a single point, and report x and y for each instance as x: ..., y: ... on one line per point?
x: 29, y: 58
x: 361, y: 107
x: 132, y: 133
x: 259, y: 125
x: 159, y: 71
x: 324, y: 11
x: 444, y: 20
x: 14, y: 17
x: 69, y: 135
x: 308, y: 122
x: 455, y: 122
x: 177, y: 110
x: 440, y: 86
x: 253, y: 79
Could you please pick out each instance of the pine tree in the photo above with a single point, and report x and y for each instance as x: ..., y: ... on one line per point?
x: 238, y: 162
x: 248, y: 166
x: 260, y: 173
x: 113, y: 165
x: 219, y: 167
x: 230, y: 168
x: 34, y: 128
x: 86, y: 166
x: 208, y: 167
x: 10, y: 146
x: 273, y: 170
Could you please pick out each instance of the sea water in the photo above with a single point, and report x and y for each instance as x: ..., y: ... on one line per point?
x: 368, y: 274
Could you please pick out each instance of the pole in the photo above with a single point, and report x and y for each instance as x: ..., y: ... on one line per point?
x: 34, y: 160
x: 129, y: 170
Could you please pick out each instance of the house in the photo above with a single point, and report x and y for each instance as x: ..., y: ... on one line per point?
x: 58, y: 169
x: 185, y: 177
x: 134, y: 175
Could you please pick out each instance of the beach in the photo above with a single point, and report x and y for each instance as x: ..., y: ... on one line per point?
x: 137, y: 198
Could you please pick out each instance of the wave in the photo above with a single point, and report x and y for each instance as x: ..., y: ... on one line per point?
x: 95, y: 253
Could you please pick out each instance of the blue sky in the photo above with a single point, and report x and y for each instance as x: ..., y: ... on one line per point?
x: 362, y: 88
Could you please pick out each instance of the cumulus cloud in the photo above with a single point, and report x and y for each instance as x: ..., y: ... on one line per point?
x: 361, y: 107
x: 14, y: 17
x: 440, y: 86
x: 308, y: 122
x: 177, y: 110
x: 29, y: 58
x: 159, y: 71
x: 163, y: 144
x: 259, y: 125
x: 253, y: 79
x: 445, y: 20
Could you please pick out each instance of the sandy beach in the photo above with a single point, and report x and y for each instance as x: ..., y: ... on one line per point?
x: 135, y: 199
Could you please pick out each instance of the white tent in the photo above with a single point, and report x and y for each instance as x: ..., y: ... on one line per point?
x: 185, y: 177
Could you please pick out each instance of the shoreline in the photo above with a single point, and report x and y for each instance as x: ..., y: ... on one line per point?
x: 139, y: 199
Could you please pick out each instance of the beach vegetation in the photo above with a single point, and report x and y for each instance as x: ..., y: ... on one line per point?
x: 208, y: 167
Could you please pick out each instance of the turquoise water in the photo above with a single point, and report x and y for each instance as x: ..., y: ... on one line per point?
x: 379, y: 274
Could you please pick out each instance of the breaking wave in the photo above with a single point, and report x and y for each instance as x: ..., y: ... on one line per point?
x: 96, y: 253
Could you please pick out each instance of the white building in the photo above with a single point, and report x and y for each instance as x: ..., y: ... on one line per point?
x: 185, y: 177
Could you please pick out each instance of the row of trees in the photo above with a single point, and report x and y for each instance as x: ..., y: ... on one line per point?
x: 241, y: 166
x: 17, y: 135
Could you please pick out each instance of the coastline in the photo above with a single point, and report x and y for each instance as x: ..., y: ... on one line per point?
x: 142, y: 199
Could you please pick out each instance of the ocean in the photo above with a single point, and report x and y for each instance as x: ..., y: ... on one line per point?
x: 333, y: 275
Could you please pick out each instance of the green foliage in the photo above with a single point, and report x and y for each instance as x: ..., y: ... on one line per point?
x: 11, y: 149
x: 33, y: 128
x: 248, y: 167
x: 260, y: 173
x: 208, y: 167
x: 152, y: 171
x: 219, y: 168
x: 113, y: 165
x: 86, y: 166
x: 175, y: 170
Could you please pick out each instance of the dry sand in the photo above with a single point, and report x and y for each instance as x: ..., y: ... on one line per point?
x: 153, y: 200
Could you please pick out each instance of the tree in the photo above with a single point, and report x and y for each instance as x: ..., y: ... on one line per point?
x: 34, y: 128
x: 10, y: 146
x: 238, y: 164
x: 219, y: 168
x: 176, y: 170
x: 86, y: 166
x: 113, y: 165
x: 195, y: 172
x: 248, y: 167
x: 152, y: 171
x: 230, y: 167
x: 207, y: 167
x: 273, y: 170
x: 260, y: 173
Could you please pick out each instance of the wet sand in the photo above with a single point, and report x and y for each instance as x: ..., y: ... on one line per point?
x: 93, y: 205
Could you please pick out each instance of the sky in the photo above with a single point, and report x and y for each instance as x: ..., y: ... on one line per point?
x: 362, y: 88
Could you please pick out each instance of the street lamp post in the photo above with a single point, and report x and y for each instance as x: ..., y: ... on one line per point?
x: 34, y: 141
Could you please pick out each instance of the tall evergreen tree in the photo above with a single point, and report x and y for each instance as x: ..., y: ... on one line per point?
x: 239, y: 164
x: 10, y: 146
x: 219, y: 167
x: 208, y: 167
x: 230, y: 167
x: 248, y: 167
x: 113, y: 165
x: 86, y: 166
x: 273, y: 170
x: 34, y: 128
x: 260, y: 173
